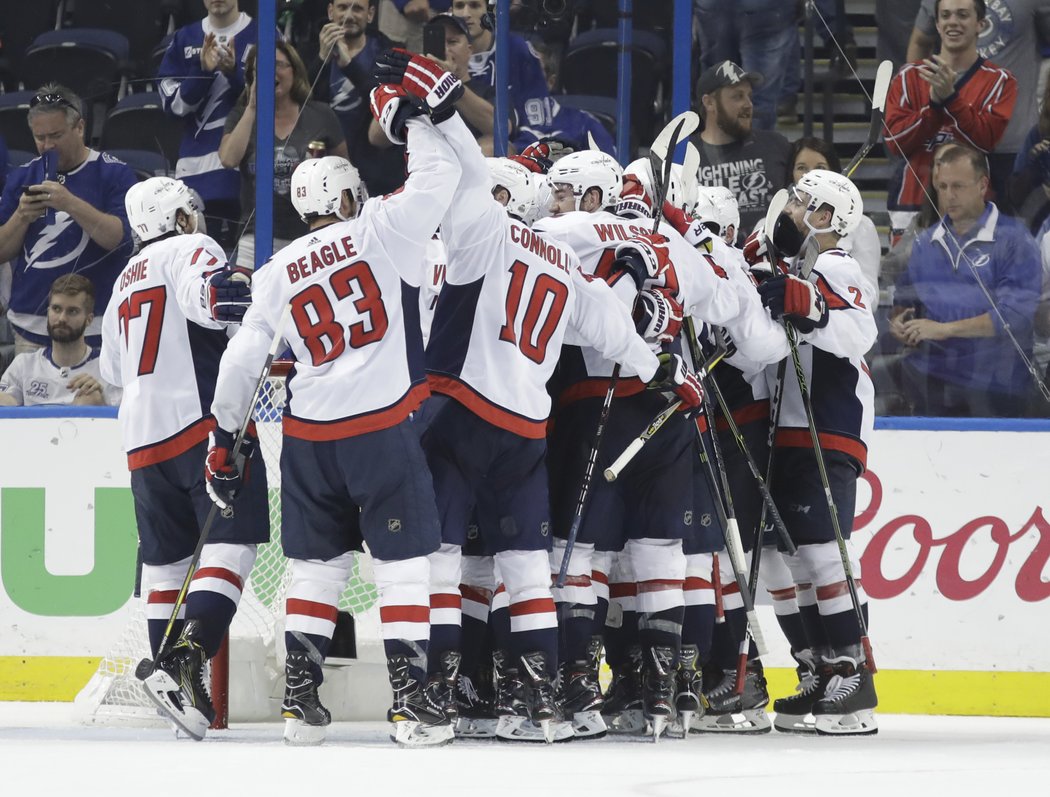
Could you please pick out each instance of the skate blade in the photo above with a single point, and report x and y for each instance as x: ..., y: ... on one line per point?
x: 657, y: 726
x: 750, y: 721
x: 678, y: 728
x: 521, y: 729
x: 473, y: 728
x: 409, y: 733
x: 158, y: 687
x: 801, y: 725
x: 630, y: 722
x: 857, y: 723
x: 588, y: 725
x: 299, y: 734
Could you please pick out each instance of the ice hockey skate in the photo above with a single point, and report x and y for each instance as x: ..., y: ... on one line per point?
x: 418, y: 720
x: 441, y: 686
x: 525, y: 703
x: 795, y: 714
x: 729, y: 712
x: 658, y: 688
x: 689, y: 693
x: 177, y: 685
x: 622, y: 711
x: 581, y: 696
x: 476, y: 718
x: 848, y: 705
x: 305, y: 718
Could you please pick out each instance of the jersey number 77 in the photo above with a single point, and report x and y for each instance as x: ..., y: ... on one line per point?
x: 315, y: 315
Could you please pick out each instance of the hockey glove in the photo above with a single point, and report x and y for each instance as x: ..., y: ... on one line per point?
x: 645, y: 257
x: 755, y: 249
x: 672, y: 375
x: 795, y: 300
x: 549, y: 148
x: 437, y: 88
x: 223, y: 476
x: 657, y: 316
x: 392, y: 107
x: 228, y: 294
x: 534, y: 164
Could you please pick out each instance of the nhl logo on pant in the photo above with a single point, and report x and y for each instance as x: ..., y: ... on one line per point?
x: 545, y: 528
x: 705, y: 519
x: 393, y: 524
x: 688, y: 517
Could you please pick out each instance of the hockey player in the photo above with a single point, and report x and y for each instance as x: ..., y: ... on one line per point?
x: 716, y: 206
x: 352, y: 467
x: 831, y: 310
x: 162, y: 336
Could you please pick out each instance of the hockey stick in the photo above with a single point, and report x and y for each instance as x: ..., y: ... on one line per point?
x: 147, y: 666
x: 878, y: 111
x: 676, y: 125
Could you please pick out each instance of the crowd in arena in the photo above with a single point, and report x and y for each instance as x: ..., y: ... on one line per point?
x: 399, y: 247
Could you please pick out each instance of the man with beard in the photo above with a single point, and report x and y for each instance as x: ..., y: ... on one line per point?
x: 750, y: 163
x: 67, y: 371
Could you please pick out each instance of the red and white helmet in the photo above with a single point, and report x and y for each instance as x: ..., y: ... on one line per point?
x: 641, y: 172
x: 823, y: 187
x: 716, y: 204
x: 585, y: 170
x: 152, y: 206
x: 519, y: 183
x: 318, y: 185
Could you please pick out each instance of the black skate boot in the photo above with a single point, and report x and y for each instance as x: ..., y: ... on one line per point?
x: 543, y: 711
x: 729, y: 712
x: 795, y: 714
x: 581, y: 696
x: 475, y: 706
x: 689, y: 700
x: 848, y: 704
x: 441, y: 686
x: 305, y: 718
x: 622, y: 711
x: 658, y: 687
x: 178, y: 685
x: 418, y: 720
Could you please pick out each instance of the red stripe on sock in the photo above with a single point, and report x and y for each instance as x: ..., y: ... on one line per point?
x: 404, y: 614
x: 786, y: 594
x: 623, y: 590
x: 600, y: 577
x: 694, y: 583
x: 445, y: 600
x: 219, y: 572
x: 475, y: 594
x: 163, y: 596
x: 307, y: 608
x: 534, y: 606
x: 836, y: 590
x: 659, y: 585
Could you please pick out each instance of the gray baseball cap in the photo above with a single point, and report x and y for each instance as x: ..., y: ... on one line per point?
x: 725, y: 74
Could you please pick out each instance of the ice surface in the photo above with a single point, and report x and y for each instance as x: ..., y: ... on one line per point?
x: 44, y: 753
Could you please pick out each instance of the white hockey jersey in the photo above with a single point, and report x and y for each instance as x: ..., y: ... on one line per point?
x: 510, y: 300
x: 833, y: 364
x: 160, y: 344
x: 353, y: 292
x: 433, y: 280
x: 33, y: 378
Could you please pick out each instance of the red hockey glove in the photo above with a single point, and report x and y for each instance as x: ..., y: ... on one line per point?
x: 534, y: 164
x: 674, y: 376
x: 633, y: 203
x: 436, y: 88
x: 392, y: 107
x: 795, y: 300
x: 228, y: 294
x: 755, y: 249
x: 658, y: 316
x: 223, y: 476
x: 644, y: 256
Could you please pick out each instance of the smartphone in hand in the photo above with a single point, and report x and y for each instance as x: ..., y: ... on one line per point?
x: 434, y: 39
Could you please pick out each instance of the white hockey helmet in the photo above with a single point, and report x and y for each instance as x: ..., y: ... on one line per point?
x: 519, y: 183
x: 642, y: 171
x: 318, y: 185
x: 585, y: 170
x: 836, y: 190
x: 152, y: 206
x: 717, y: 204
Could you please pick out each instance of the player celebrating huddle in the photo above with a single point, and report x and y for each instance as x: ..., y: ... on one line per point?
x: 352, y: 467
x: 166, y: 321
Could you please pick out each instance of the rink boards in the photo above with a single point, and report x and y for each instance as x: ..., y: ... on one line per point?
x: 955, y: 545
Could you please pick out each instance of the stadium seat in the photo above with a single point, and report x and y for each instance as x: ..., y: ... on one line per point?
x: 142, y: 22
x: 138, y: 122
x: 144, y: 162
x: 91, y: 61
x: 13, y: 125
x: 20, y: 23
x: 589, y: 67
x: 601, y: 108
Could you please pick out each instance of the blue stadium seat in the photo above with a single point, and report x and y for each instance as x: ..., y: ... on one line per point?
x: 138, y: 122
x: 20, y: 23
x: 93, y: 62
x: 144, y: 163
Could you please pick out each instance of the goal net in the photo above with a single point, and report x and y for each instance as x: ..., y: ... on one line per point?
x: 255, y: 679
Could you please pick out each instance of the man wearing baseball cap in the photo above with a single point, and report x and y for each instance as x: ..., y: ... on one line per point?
x: 750, y: 163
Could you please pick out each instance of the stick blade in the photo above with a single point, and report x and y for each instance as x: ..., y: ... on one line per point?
x: 682, y: 126
x: 883, y: 76
x: 776, y: 207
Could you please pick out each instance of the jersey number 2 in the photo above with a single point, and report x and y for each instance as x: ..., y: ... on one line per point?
x: 533, y: 341
x: 315, y: 317
x: 132, y: 308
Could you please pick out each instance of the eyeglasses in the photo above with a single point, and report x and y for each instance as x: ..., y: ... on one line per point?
x: 52, y: 99
x: 282, y: 65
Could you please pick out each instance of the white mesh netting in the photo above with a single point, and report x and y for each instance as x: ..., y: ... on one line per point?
x: 115, y: 696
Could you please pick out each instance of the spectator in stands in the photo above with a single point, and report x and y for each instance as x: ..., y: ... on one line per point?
x: 66, y: 371
x: 527, y: 84
x: 403, y: 20
x: 762, y: 34
x: 347, y: 58
x: 1009, y: 35
x: 963, y: 362
x: 303, y: 128
x: 62, y: 212
x: 1030, y: 182
x: 750, y: 163
x: 956, y: 95
x: 201, y: 76
x: 1041, y: 348
x: 863, y: 243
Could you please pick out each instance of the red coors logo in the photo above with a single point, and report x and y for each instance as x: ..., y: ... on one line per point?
x: 1029, y: 584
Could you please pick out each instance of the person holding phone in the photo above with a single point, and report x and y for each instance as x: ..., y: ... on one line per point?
x: 62, y: 213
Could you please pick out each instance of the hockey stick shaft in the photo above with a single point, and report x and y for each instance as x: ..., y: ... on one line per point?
x: 878, y: 110
x: 209, y: 521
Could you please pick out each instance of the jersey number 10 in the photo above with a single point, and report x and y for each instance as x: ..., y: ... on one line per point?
x: 547, y: 293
